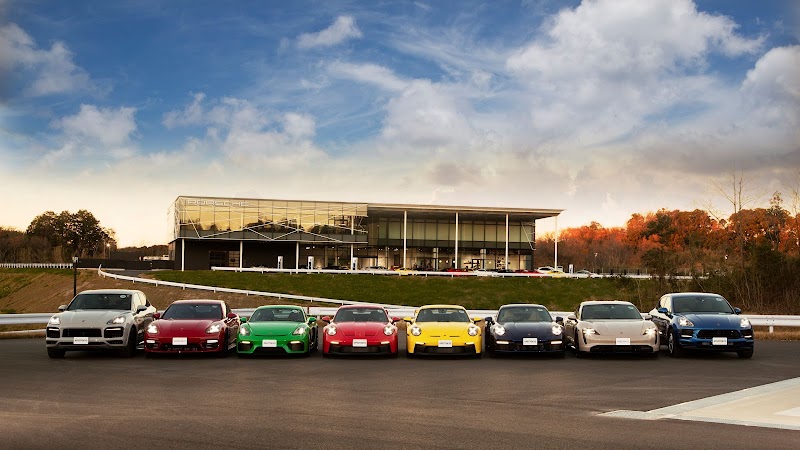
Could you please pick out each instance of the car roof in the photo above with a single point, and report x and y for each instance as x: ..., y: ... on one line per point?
x: 279, y: 306
x: 606, y: 302
x: 361, y: 306
x: 523, y: 304
x: 441, y: 306
x: 111, y: 291
x: 686, y: 294
x: 197, y: 301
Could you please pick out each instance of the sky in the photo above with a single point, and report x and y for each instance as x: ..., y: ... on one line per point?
x: 600, y: 108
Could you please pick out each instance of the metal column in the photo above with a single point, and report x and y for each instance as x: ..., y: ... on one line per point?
x: 506, y: 267
x: 241, y: 254
x: 555, y: 264
x: 455, y: 261
x: 183, y: 255
x: 405, y: 236
x: 297, y: 257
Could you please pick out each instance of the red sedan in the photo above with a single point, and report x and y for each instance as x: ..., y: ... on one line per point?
x: 360, y: 329
x: 192, y: 326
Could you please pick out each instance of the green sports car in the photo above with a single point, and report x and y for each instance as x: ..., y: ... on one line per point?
x: 277, y: 329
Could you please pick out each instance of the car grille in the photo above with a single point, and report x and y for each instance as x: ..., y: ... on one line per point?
x: 269, y: 351
x: 111, y: 333
x: 53, y: 333
x: 708, y: 334
x: 621, y: 349
x: 518, y: 347
x: 385, y: 348
x: 455, y: 350
x: 81, y: 332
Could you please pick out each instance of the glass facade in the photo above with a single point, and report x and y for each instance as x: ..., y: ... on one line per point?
x: 254, y: 232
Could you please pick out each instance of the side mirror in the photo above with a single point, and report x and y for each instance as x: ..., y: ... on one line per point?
x: 243, y: 319
x: 232, y: 315
x: 662, y: 311
x: 737, y: 310
x: 647, y: 317
x: 141, y: 308
x: 62, y: 308
x: 476, y: 319
x: 326, y: 319
x: 408, y: 319
x: 396, y: 319
x: 559, y: 319
x: 157, y: 316
x: 489, y: 320
x: 312, y: 320
x: 572, y: 317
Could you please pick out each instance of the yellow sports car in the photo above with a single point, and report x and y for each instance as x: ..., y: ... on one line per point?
x: 443, y: 330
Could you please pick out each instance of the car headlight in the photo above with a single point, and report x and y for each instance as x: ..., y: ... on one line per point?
x: 331, y: 330
x: 213, y: 328
x: 55, y: 320
x: 299, y: 331
x: 557, y: 330
x: 744, y: 323
x: 499, y: 329
x: 116, y: 320
x: 244, y: 331
x: 152, y: 329
x: 589, y: 331
x: 473, y: 330
x: 416, y: 330
x: 389, y: 330
x: 684, y: 322
x: 650, y: 332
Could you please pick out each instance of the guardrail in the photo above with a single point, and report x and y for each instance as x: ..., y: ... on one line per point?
x: 35, y: 265
x: 236, y: 291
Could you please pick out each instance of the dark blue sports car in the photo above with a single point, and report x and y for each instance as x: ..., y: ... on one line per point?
x: 702, y: 321
x: 523, y: 328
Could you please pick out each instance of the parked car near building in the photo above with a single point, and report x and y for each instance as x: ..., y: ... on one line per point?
x: 277, y: 329
x: 193, y: 326
x: 443, y: 329
x: 702, y: 321
x: 524, y: 328
x: 360, y: 329
x: 610, y: 327
x: 108, y: 319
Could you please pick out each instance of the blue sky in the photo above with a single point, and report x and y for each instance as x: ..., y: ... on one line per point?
x: 601, y: 108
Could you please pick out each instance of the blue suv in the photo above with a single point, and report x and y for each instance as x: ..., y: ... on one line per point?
x: 702, y: 321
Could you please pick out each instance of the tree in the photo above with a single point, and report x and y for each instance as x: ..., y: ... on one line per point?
x: 78, y: 234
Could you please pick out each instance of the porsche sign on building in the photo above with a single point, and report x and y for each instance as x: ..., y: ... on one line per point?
x: 292, y: 234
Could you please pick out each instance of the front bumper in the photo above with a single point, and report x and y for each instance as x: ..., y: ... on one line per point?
x: 194, y: 344
x: 518, y: 346
x: 272, y: 345
x: 112, y: 337
x: 716, y: 340
x: 379, y: 345
x: 433, y: 346
x: 614, y: 344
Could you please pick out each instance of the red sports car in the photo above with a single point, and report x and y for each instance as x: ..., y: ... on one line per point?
x: 360, y: 329
x: 192, y: 326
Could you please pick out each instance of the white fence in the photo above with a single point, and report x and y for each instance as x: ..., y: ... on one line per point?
x: 35, y: 265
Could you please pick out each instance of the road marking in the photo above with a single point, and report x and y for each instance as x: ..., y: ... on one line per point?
x: 773, y: 405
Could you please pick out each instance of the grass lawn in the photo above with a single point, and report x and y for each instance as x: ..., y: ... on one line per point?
x: 557, y: 294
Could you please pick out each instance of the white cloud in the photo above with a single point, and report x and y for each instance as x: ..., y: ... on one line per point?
x: 49, y: 72
x: 191, y: 115
x: 772, y: 87
x: 108, y: 126
x: 374, y: 74
x: 342, y: 29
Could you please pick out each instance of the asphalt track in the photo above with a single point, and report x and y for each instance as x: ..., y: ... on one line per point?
x: 94, y: 400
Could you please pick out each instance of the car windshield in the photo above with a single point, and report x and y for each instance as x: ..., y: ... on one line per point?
x: 101, y: 301
x: 193, y: 311
x: 278, y: 315
x: 361, y: 315
x: 701, y: 304
x: 524, y: 314
x: 442, y: 315
x: 610, y: 311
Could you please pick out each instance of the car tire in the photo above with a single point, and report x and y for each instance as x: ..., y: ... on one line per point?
x: 223, y: 352
x: 149, y: 355
x: 673, y: 346
x: 130, y: 347
x: 55, y: 353
x: 745, y: 354
x: 577, y: 346
x: 561, y: 355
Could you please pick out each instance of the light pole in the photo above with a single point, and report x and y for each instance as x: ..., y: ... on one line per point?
x: 74, y: 276
x: 108, y: 248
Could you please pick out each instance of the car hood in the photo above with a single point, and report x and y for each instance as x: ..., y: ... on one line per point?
x: 527, y: 329
x: 701, y: 320
x: 89, y: 318
x: 360, y: 329
x: 444, y: 329
x: 273, y: 328
x: 618, y: 327
x: 183, y: 328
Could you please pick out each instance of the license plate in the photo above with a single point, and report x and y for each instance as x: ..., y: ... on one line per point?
x: 719, y: 341
x: 446, y: 344
x: 180, y: 341
x: 80, y: 340
x: 359, y: 342
x: 269, y: 343
x: 530, y: 341
x: 623, y: 341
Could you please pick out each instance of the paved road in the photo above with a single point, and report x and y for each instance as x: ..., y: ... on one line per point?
x: 94, y: 401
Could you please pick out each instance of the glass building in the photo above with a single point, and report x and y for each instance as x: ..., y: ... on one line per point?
x: 237, y: 232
